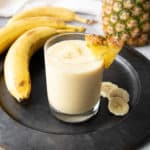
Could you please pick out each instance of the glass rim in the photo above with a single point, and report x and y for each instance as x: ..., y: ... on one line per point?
x: 53, y: 40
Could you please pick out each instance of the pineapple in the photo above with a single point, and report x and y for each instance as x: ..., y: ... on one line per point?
x: 105, y: 48
x: 127, y: 20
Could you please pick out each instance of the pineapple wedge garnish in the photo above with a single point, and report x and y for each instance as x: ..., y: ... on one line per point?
x: 104, y: 48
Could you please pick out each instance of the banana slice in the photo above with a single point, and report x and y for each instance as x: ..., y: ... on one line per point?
x: 118, y: 106
x: 106, y: 87
x: 119, y: 92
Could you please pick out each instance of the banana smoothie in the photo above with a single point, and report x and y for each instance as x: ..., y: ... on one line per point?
x: 73, y: 77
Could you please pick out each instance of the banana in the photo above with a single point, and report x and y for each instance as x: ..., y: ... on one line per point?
x: 11, y: 32
x: 57, y: 12
x: 16, y: 64
x: 106, y: 87
x: 118, y: 98
x: 119, y: 92
x: 118, y: 106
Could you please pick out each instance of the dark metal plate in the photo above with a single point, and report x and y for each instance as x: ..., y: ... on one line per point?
x: 36, y: 113
x: 104, y: 132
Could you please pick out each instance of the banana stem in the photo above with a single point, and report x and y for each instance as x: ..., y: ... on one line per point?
x: 65, y: 30
x: 75, y: 28
x: 84, y: 20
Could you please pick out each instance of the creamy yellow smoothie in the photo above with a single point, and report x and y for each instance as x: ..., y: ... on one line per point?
x: 73, y: 77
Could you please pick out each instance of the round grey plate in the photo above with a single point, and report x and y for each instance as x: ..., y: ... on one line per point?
x: 31, y: 126
x: 36, y: 114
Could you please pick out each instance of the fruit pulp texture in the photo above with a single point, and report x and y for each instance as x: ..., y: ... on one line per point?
x: 73, y: 77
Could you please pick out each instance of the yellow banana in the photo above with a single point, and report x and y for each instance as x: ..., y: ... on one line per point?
x: 12, y: 31
x: 16, y: 64
x: 57, y: 12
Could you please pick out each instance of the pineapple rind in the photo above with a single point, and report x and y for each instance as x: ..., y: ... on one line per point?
x: 128, y: 20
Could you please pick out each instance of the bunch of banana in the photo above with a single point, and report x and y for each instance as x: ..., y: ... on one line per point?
x: 12, y: 31
x: 16, y: 65
x: 56, y: 12
x: 24, y: 34
x: 118, y: 98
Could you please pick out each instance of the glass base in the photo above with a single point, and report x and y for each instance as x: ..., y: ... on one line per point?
x: 76, y: 118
